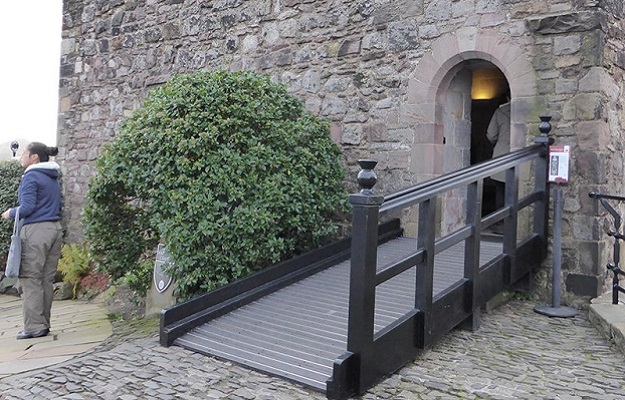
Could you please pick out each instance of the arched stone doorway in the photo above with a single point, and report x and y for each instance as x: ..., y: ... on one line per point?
x: 439, y: 105
x: 466, y: 100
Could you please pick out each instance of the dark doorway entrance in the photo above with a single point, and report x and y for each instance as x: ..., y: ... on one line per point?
x: 489, y: 84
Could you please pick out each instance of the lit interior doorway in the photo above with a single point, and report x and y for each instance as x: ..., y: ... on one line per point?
x: 488, y: 91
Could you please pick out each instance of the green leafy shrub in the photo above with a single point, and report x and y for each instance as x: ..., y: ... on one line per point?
x: 139, y: 278
x: 10, y: 175
x: 227, y: 169
x: 74, y: 264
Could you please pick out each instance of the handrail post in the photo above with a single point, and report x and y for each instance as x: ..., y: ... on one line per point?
x: 511, y: 223
x: 424, y: 286
x: 366, y: 206
x: 541, y: 208
x: 472, y: 253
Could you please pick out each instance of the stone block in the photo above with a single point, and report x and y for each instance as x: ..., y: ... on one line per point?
x: 467, y: 38
x: 399, y: 159
x: 546, y: 86
x: 568, y: 22
x: 565, y: 45
x: 569, y: 259
x: 439, y: 10
x: 411, y: 114
x: 490, y: 42
x: 427, y: 159
x: 566, y: 86
x: 332, y: 106
x: 591, y: 166
x: 68, y: 46
x: 516, y: 63
x: 583, y: 107
x: 63, y: 291
x: 590, y: 257
x: 567, y: 61
x: 352, y: 134
x: 593, y: 135
x: 392, y: 11
x: 517, y: 28
x: 445, y: 48
x: 403, y: 35
x: 588, y: 206
x: 582, y: 285
x: 543, y: 60
x: 349, y: 47
x: 592, y: 49
x: 426, y: 68
x: 428, y: 133
x: 492, y: 19
x: 429, y: 31
x: 524, y: 85
x: 401, y: 135
x: 586, y: 228
x: 376, y: 132
x: 454, y: 158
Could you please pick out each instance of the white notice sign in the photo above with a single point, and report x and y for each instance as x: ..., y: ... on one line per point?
x: 162, y: 280
x: 559, y: 157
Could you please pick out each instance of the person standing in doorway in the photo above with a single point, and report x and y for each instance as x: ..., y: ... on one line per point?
x: 39, y: 197
x: 498, y: 133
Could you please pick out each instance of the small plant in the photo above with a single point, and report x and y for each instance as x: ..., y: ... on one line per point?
x: 10, y: 176
x: 93, y: 283
x: 74, y: 264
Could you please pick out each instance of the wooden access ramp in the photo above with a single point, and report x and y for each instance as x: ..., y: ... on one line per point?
x: 299, y: 331
x: 341, y: 318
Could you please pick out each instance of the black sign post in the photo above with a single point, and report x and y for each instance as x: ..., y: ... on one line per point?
x: 558, y: 174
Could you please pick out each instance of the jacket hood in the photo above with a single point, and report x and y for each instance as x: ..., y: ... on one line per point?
x: 49, y: 168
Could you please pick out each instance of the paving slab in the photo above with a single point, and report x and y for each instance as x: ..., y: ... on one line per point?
x: 77, y: 327
x: 609, y: 318
x: 516, y: 354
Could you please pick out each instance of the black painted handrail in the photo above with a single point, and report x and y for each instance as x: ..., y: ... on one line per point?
x: 372, y: 354
x: 617, y: 235
x: 453, y: 180
x: 480, y: 170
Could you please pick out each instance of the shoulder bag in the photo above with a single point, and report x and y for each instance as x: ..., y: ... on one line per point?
x: 14, y: 258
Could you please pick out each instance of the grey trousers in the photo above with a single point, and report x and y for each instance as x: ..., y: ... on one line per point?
x: 41, y: 250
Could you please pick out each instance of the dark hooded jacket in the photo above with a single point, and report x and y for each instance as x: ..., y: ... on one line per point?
x: 39, y: 194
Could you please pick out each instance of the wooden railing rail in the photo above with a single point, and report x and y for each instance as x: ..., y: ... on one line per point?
x: 371, y: 355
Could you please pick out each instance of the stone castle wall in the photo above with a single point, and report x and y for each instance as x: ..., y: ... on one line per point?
x: 378, y: 70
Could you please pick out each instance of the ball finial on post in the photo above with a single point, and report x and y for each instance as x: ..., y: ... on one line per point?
x: 544, y: 127
x: 367, y: 177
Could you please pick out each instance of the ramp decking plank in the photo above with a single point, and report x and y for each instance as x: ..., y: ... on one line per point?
x: 298, y: 332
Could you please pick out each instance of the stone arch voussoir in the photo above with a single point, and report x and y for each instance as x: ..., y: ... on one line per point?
x: 436, y: 69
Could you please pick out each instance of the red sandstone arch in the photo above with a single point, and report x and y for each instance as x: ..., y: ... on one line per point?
x: 433, y: 75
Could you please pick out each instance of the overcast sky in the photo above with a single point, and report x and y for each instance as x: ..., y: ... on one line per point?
x: 30, y: 43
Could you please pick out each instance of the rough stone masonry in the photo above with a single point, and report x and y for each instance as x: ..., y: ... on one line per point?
x: 391, y: 75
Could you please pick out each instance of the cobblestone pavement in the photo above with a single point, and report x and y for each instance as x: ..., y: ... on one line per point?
x: 516, y: 354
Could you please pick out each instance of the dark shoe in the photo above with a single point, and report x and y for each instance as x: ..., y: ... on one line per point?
x: 30, y: 335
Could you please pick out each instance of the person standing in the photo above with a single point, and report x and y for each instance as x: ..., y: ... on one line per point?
x: 498, y: 133
x: 39, y: 197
